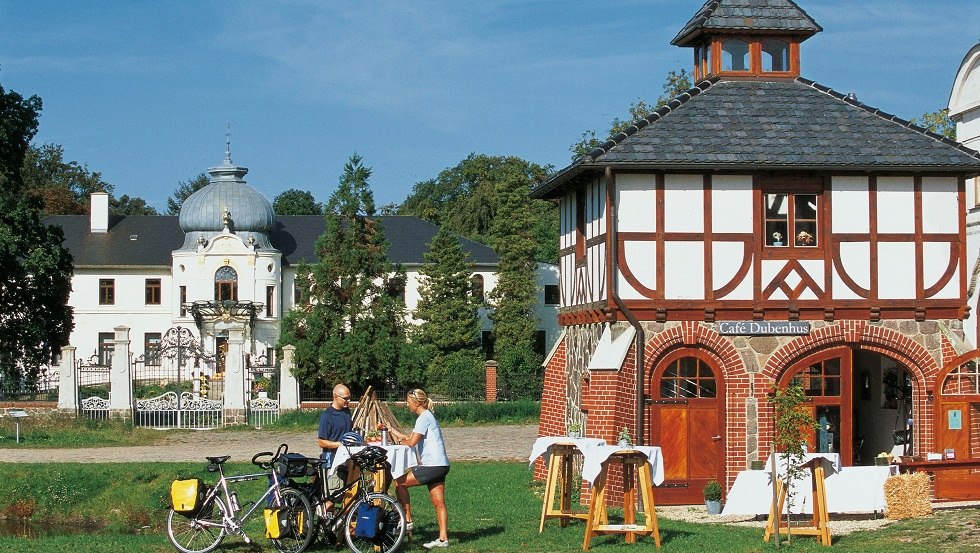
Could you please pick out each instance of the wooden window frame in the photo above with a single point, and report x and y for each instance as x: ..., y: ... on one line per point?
x: 153, y: 291
x: 792, y: 187
x: 712, y: 56
x: 270, y: 296
x: 107, y: 291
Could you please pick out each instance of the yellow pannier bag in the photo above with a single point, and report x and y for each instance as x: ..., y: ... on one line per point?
x: 186, y: 495
x: 272, y: 523
x: 277, y: 523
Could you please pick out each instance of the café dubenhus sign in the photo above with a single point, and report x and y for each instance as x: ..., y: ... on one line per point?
x: 763, y: 328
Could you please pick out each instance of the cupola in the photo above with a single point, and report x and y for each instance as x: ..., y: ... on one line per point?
x: 751, y: 39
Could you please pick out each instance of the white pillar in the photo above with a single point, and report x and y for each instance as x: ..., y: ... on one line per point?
x: 67, y: 386
x: 235, y: 374
x: 120, y: 381
x: 288, y: 385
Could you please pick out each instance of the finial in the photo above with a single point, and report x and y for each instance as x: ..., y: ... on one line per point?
x: 228, y: 144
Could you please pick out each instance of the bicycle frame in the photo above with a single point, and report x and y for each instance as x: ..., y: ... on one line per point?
x: 233, y: 523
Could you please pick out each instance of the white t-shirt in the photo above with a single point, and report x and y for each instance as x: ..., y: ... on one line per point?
x: 432, y: 449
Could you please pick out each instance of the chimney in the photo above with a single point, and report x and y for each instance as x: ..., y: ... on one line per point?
x: 99, y: 213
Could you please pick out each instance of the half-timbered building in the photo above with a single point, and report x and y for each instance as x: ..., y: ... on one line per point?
x: 760, y: 229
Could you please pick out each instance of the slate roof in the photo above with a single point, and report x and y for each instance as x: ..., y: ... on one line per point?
x: 741, y: 125
x: 782, y: 16
x: 150, y: 240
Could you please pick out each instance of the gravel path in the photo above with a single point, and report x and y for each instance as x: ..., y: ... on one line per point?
x: 463, y: 443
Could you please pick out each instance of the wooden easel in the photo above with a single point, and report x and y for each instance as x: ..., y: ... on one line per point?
x: 634, y: 463
x: 558, y: 485
x: 820, y: 526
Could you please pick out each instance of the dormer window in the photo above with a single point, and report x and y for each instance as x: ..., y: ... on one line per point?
x: 775, y: 55
x: 735, y: 55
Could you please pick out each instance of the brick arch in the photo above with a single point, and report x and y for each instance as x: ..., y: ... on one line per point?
x: 857, y: 334
x: 692, y: 334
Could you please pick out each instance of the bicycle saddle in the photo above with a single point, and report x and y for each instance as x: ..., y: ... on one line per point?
x: 218, y: 460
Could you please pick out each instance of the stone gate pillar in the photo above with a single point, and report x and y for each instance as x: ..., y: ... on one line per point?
x: 120, y: 379
x: 288, y: 385
x: 235, y: 380
x: 68, y: 385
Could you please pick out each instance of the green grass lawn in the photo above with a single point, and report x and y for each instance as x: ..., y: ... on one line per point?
x: 492, y: 507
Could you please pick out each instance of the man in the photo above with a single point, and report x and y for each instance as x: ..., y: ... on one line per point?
x: 334, y: 421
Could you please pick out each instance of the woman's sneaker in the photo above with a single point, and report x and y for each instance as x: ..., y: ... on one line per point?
x: 436, y: 543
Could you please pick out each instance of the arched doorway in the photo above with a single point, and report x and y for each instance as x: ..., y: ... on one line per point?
x: 860, y: 399
x: 957, y: 425
x: 687, y: 420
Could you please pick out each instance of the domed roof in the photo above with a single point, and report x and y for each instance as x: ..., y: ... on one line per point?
x: 227, y: 197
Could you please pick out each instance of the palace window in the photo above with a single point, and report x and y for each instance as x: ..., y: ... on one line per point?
x: 477, y: 287
x: 107, y: 345
x: 107, y: 291
x: 688, y: 377
x: 153, y: 291
x: 792, y: 220
x: 151, y: 348
x: 183, y: 300
x: 270, y: 296
x: 226, y: 284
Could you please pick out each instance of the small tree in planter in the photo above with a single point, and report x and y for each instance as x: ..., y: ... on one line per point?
x: 793, y: 424
x: 712, y: 497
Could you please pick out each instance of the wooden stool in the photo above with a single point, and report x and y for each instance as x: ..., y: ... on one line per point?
x: 820, y: 523
x: 558, y: 484
x: 634, y: 464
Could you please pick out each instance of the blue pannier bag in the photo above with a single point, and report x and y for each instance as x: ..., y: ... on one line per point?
x: 368, y: 518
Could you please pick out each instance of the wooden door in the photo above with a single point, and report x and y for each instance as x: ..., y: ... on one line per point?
x: 686, y: 422
x: 956, y: 419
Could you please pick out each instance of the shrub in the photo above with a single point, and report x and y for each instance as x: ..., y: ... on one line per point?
x: 712, y: 491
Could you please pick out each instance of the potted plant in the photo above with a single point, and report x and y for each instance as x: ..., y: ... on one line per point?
x: 625, y: 440
x: 372, y: 436
x: 261, y: 387
x: 712, y: 497
x: 574, y: 430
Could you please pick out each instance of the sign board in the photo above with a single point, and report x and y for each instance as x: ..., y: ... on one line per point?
x: 763, y: 328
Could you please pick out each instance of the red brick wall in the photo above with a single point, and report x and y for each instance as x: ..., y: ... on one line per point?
x: 553, y: 396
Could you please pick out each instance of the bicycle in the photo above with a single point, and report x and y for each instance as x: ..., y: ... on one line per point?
x: 350, y: 502
x: 215, y: 512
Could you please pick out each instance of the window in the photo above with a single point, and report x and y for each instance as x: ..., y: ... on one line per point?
x: 540, y: 342
x: 226, y: 284
x: 153, y: 291
x: 735, y: 55
x: 151, y: 348
x: 270, y: 295
x: 688, y: 377
x: 791, y: 220
x: 477, y: 287
x: 297, y: 295
x: 107, y: 291
x: 820, y: 379
x: 183, y: 300
x: 552, y: 295
x: 487, y: 342
x: 107, y: 345
x: 775, y: 55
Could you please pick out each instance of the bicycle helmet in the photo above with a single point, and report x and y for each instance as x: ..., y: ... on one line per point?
x: 351, y: 439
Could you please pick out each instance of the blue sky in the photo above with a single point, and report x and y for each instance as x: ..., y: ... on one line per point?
x: 143, y: 91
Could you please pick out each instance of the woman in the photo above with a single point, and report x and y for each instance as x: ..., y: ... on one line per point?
x: 434, y: 467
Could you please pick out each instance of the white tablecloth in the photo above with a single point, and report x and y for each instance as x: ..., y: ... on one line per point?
x: 400, y: 457
x: 542, y: 444
x: 849, y: 490
x: 596, y: 455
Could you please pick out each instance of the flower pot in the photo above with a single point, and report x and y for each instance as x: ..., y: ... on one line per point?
x: 574, y: 434
x: 758, y: 465
x: 881, y: 461
x: 714, y: 507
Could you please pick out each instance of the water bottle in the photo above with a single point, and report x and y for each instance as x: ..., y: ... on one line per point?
x: 233, y: 499
x: 384, y: 436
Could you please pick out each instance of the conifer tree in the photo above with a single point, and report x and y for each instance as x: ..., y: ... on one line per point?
x: 35, y: 270
x: 513, y: 298
x: 351, y: 328
x: 450, y: 329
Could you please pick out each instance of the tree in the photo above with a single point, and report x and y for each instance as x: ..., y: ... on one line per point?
x: 938, y: 122
x: 793, y: 424
x: 126, y: 206
x: 464, y: 199
x: 183, y: 191
x: 62, y: 186
x: 352, y: 326
x: 450, y: 329
x: 514, y: 296
x: 296, y: 202
x: 35, y: 270
x: 674, y: 84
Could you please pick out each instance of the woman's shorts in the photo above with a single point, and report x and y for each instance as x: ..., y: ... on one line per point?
x: 430, y: 475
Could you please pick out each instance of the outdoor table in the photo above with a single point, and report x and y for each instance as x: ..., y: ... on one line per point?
x: 644, y: 462
x: 850, y: 490
x: 559, y: 452
x: 400, y: 459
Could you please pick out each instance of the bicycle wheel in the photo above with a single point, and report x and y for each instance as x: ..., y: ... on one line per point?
x: 200, y: 533
x: 300, y: 524
x: 388, y: 535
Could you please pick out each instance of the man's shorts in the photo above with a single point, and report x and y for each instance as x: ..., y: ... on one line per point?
x: 430, y: 475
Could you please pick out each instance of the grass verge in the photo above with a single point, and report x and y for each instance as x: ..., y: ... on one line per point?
x: 492, y: 507
x: 65, y: 430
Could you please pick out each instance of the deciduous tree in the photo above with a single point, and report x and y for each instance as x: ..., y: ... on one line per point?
x: 938, y: 122
x: 183, y: 191
x: 35, y: 270
x: 296, y: 202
